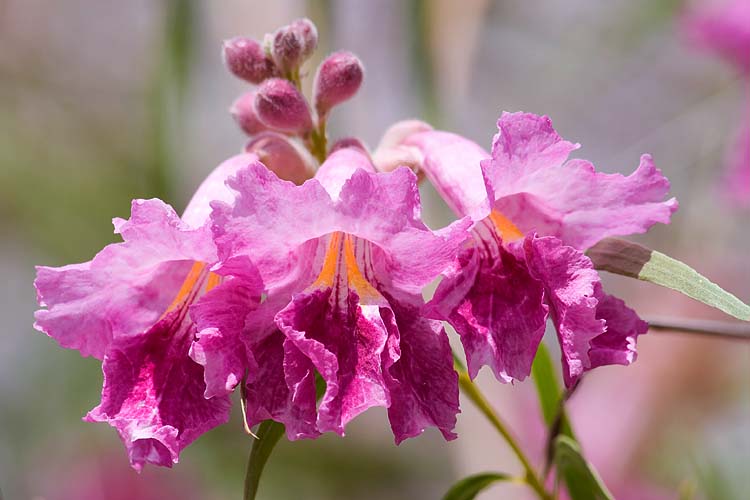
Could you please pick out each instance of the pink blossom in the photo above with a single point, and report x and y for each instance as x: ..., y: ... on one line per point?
x: 722, y: 27
x: 129, y: 306
x: 534, y: 213
x: 343, y: 259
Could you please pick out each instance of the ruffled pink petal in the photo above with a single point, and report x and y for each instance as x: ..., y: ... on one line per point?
x: 127, y: 286
x: 385, y: 209
x: 220, y: 345
x: 722, y: 27
x: 496, y: 308
x: 538, y: 193
x: 269, y: 397
x: 153, y: 393
x: 617, y: 345
x: 381, y: 208
x: 214, y: 188
x: 344, y: 343
x: 571, y: 285
x: 271, y: 221
x: 452, y: 164
x: 340, y: 166
x: 419, y: 375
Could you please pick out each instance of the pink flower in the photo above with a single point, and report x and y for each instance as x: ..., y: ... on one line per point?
x: 343, y: 259
x: 722, y: 27
x: 535, y: 212
x: 128, y: 306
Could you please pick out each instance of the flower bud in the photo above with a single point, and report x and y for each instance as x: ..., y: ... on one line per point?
x: 243, y: 112
x: 349, y: 142
x: 338, y: 79
x: 400, y: 131
x: 246, y: 59
x: 294, y: 44
x: 283, y: 156
x: 391, y: 153
x: 280, y: 105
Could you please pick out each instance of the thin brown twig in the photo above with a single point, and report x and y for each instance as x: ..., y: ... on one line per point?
x: 734, y: 330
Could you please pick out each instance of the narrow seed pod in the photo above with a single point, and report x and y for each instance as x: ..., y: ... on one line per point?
x: 281, y: 106
x: 283, y: 156
x: 246, y: 59
x: 293, y: 44
x: 338, y: 78
x: 243, y: 112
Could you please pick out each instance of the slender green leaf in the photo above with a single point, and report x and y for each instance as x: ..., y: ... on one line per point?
x: 581, y: 479
x: 547, y: 387
x: 469, y: 487
x: 266, y: 437
x: 636, y: 261
x: 666, y: 271
x: 551, y: 400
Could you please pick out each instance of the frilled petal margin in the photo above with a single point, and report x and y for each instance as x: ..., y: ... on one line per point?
x: 570, y: 282
x: 344, y: 343
x: 617, y: 345
x: 421, y: 381
x: 535, y: 188
x: 221, y: 345
x: 371, y: 354
x: 90, y: 303
x: 496, y: 308
x: 154, y: 393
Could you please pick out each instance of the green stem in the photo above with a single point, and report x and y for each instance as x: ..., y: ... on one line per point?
x: 269, y: 433
x: 475, y: 395
x: 319, y: 142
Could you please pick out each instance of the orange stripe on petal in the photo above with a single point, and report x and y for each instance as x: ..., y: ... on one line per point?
x: 505, y: 227
x: 213, y: 281
x: 354, y: 275
x: 328, y: 273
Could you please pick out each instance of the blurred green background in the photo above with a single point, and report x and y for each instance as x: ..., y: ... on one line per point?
x: 104, y: 101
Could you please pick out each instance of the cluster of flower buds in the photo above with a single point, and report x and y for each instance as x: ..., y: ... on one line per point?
x: 285, y: 133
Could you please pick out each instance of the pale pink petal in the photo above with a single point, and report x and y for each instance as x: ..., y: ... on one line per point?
x: 214, y: 188
x: 221, y: 341
x: 127, y: 286
x: 538, y: 193
x: 340, y: 166
x: 452, y: 164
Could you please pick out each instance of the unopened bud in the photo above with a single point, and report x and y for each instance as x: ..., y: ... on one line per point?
x: 246, y: 59
x: 400, y: 131
x: 349, y: 142
x: 280, y: 105
x: 283, y: 156
x: 392, y: 153
x: 294, y: 44
x: 338, y: 79
x: 387, y: 160
x: 243, y: 112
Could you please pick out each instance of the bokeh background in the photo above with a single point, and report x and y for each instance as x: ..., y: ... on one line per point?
x: 102, y: 101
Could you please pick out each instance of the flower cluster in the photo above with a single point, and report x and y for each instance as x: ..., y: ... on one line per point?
x: 298, y: 266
